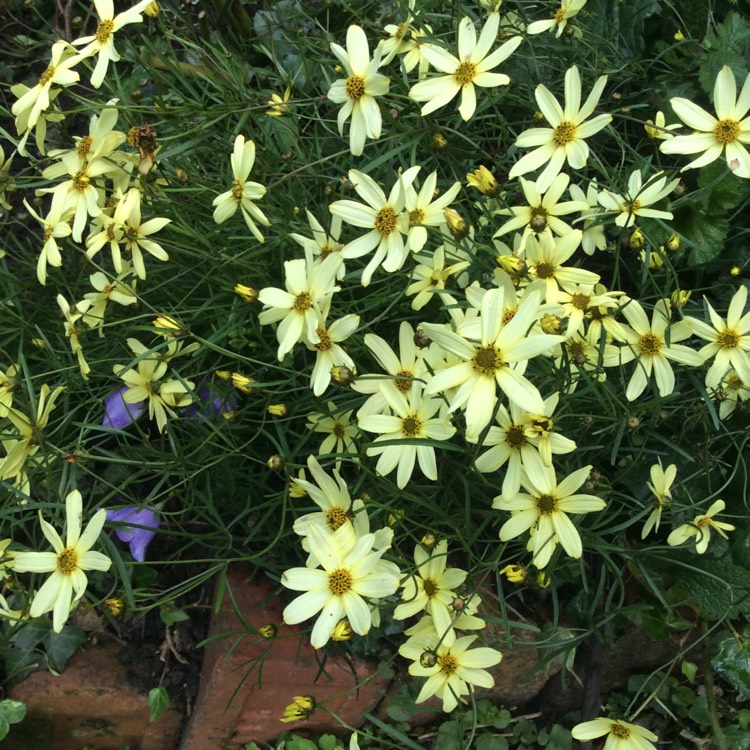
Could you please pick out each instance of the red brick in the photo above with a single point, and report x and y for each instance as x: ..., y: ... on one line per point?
x: 90, y: 703
x: 243, y: 693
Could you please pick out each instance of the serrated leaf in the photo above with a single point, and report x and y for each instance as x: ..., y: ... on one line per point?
x: 61, y: 646
x: 727, y: 44
x: 736, y: 738
x: 718, y: 588
x: 732, y: 662
x: 158, y: 701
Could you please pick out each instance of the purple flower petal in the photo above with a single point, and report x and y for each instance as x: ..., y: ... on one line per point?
x: 137, y: 538
x: 117, y: 413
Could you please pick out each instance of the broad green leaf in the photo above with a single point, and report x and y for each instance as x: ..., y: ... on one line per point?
x: 158, y: 701
x: 726, y: 44
x: 732, y: 662
x: 488, y: 742
x: 61, y: 646
x: 718, y: 588
x: 12, y: 711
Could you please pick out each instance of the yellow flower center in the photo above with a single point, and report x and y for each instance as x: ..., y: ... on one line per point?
x: 726, y: 131
x: 411, y: 426
x: 335, y: 518
x: 633, y: 207
x: 728, y: 339
x: 237, y: 188
x: 564, y: 133
x: 406, y: 378
x: 430, y: 587
x: 650, y: 344
x: 448, y: 664
x: 547, y: 504
x: 67, y: 561
x: 355, y: 87
x: 416, y: 216
x: 509, y: 314
x: 46, y: 77
x: 302, y: 302
x: 487, y: 360
x: 81, y: 182
x: 576, y: 352
x: 339, y: 430
x: 465, y: 73
x: 734, y: 383
x: 545, y: 271
x: 703, y: 522
x: 84, y: 146
x: 104, y: 31
x: 385, y: 221
x: 514, y: 436
x: 560, y: 15
x: 619, y: 731
x: 339, y: 581
x: 538, y: 221
x: 580, y: 301
x: 325, y: 342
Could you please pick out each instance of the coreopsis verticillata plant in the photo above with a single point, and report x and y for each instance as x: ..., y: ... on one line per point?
x: 137, y: 236
x: 425, y: 210
x: 430, y: 276
x: 471, y: 68
x: 543, y: 511
x: 483, y: 180
x: 72, y: 316
x: 731, y: 392
x: 545, y: 255
x: 102, y: 41
x: 80, y: 194
x: 56, y: 227
x: 8, y: 384
x: 32, y: 102
x: 452, y: 668
x: 565, y: 140
x: 403, y: 368
x: 640, y: 196
x: 583, y: 357
x: 101, y: 142
x: 542, y: 211
x: 413, y: 418
x: 139, y: 528
x: 620, y: 734
x: 341, y: 432
x: 700, y: 528
x: 143, y: 382
x: 432, y: 588
x: 278, y: 106
x: 243, y: 192
x: 661, y: 485
x: 299, y: 309
x: 107, y: 290
x: 322, y: 243
x: 358, y: 90
x: 68, y: 562
x: 496, y: 361
x: 653, y: 345
x: 31, y: 429
x: 582, y: 302
x: 302, y: 707
x: 728, y: 341
x: 328, y: 352
x: 726, y: 133
x: 384, y: 217
x: 7, y: 184
x: 513, y: 440
x: 559, y: 22
x: 353, y: 572
x: 592, y: 225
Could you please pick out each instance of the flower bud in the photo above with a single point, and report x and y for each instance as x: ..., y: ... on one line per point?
x: 456, y: 225
x: 484, y: 181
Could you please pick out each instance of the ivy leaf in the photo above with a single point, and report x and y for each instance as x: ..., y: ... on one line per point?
x: 61, y: 646
x: 158, y: 701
